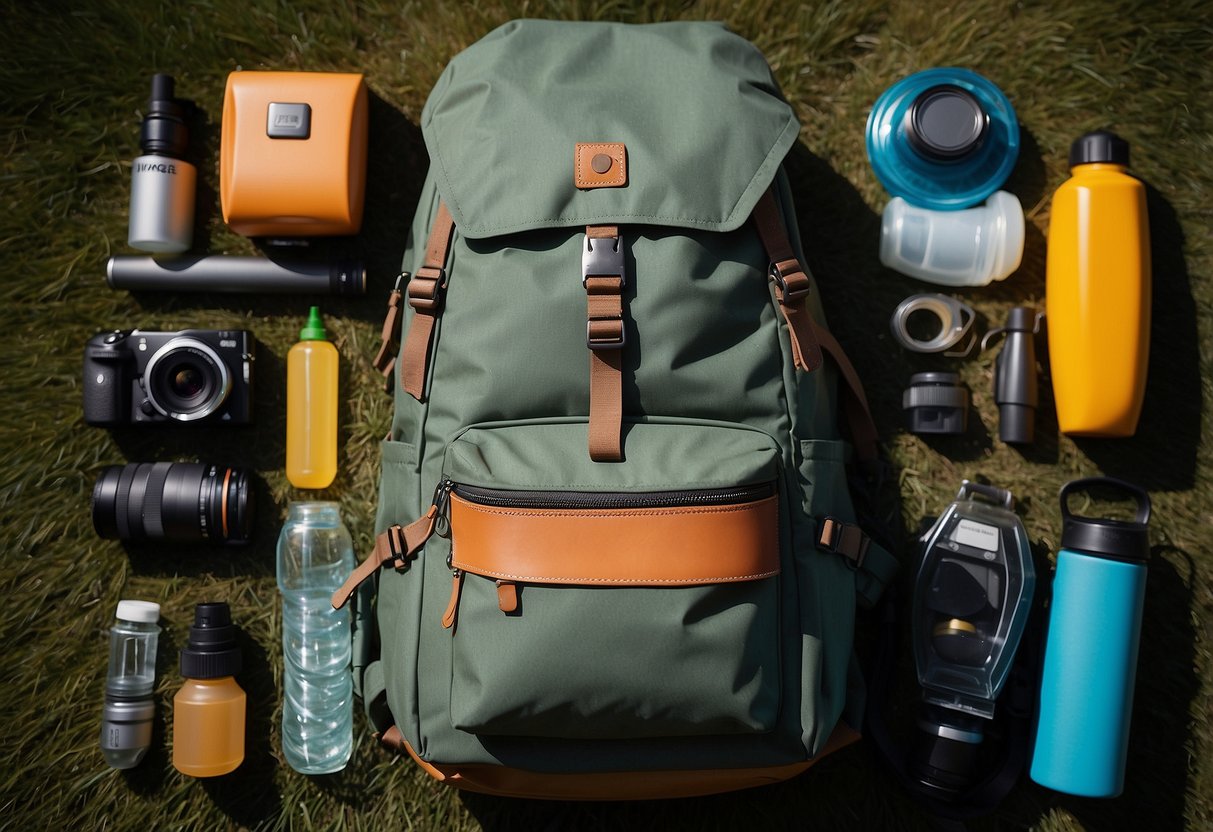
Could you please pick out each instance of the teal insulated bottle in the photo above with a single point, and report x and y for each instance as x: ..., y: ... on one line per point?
x: 1090, y: 657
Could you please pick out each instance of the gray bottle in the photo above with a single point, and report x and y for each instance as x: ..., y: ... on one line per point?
x: 162, y: 182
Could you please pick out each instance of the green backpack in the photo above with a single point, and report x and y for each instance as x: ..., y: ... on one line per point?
x: 616, y: 555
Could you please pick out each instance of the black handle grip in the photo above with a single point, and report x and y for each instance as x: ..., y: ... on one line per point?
x: 1136, y: 492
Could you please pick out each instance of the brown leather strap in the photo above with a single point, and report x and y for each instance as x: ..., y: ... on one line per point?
x: 425, y: 292
x: 604, y: 335
x: 845, y: 538
x: 389, y: 337
x: 392, y: 740
x: 396, y: 545
x: 854, y: 403
x: 792, y: 285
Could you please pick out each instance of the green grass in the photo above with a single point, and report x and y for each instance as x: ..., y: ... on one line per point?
x: 73, y: 79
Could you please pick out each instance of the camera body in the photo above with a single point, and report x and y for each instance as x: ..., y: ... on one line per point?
x: 194, y: 376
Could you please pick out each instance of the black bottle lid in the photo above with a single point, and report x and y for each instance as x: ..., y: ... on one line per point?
x: 1099, y: 146
x: 212, y: 652
x: 164, y: 131
x: 946, y: 123
x: 1127, y: 540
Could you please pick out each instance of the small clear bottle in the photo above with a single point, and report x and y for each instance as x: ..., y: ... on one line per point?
x: 126, y: 720
x: 315, y: 554
x: 208, y: 711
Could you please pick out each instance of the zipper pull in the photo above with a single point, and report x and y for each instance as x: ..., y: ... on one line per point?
x: 442, y: 502
x: 397, y: 546
x: 507, y: 596
x: 452, y: 607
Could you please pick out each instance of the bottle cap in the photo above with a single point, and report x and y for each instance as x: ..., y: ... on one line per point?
x: 946, y: 122
x: 314, y: 329
x: 1116, y: 539
x: 164, y: 129
x: 212, y: 652
x: 1099, y: 146
x: 139, y: 612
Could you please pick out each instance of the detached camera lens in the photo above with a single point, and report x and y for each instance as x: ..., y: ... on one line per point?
x: 183, y: 502
x: 186, y: 380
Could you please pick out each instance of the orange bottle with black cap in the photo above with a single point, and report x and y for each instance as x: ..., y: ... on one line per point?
x: 1098, y: 291
x: 209, y: 710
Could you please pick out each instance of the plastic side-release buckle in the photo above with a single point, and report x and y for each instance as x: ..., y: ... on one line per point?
x: 846, y: 539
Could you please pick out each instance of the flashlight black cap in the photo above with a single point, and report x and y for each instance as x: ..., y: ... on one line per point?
x: 1099, y: 146
x: 212, y: 652
x: 164, y: 131
x: 1127, y: 540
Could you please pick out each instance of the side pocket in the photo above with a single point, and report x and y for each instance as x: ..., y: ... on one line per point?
x: 379, y: 604
x: 827, y: 588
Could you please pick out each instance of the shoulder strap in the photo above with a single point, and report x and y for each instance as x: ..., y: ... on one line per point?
x: 425, y: 291
x: 809, y: 341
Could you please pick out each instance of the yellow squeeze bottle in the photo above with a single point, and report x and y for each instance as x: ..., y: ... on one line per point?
x: 311, y: 407
x: 1098, y: 291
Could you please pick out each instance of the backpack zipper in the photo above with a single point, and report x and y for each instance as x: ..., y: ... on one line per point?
x: 611, y: 499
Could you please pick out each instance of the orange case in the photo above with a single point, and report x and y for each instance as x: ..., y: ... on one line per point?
x: 293, y: 187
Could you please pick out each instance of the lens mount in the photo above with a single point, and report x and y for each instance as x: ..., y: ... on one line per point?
x: 186, y: 380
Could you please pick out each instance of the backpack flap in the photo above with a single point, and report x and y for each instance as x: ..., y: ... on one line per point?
x: 504, y: 122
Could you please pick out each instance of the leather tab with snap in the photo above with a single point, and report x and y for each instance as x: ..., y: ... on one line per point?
x: 600, y: 165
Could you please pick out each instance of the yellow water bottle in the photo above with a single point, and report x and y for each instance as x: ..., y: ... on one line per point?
x: 311, y: 407
x: 1098, y: 291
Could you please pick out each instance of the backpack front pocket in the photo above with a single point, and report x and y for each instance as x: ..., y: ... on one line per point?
x: 612, y: 613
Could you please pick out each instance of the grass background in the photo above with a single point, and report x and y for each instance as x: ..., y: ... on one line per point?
x: 73, y: 81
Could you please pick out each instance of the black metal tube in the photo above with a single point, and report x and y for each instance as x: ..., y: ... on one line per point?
x: 232, y: 273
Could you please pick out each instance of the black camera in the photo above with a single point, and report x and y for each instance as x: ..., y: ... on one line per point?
x: 195, y: 375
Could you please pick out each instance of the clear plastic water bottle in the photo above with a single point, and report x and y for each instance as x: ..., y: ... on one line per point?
x: 315, y: 555
x: 126, y: 720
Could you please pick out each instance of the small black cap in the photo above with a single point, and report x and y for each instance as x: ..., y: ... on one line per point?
x: 1115, y: 539
x: 164, y: 131
x: 1100, y: 146
x: 212, y: 652
x: 936, y: 403
x: 946, y: 123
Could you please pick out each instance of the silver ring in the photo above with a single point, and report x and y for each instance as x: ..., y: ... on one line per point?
x: 955, y: 320
x: 217, y: 398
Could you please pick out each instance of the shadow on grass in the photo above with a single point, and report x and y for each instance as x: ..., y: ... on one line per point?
x: 248, y: 795
x: 1162, y: 454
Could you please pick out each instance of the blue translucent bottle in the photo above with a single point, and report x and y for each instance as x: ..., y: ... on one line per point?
x: 943, y: 138
x: 315, y: 555
x: 1090, y: 659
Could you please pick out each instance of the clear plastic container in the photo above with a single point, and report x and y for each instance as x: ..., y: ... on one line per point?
x: 315, y: 554
x: 126, y: 722
x: 973, y: 247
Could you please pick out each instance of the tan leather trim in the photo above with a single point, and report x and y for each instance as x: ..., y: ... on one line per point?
x: 806, y: 352
x: 604, y: 325
x: 507, y: 596
x: 600, y: 165
x: 396, y: 545
x: 415, y: 355
x: 618, y: 547
x: 452, y: 606
x: 504, y: 781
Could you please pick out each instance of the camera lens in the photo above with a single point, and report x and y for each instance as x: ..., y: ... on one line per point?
x: 180, y: 501
x: 186, y: 380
